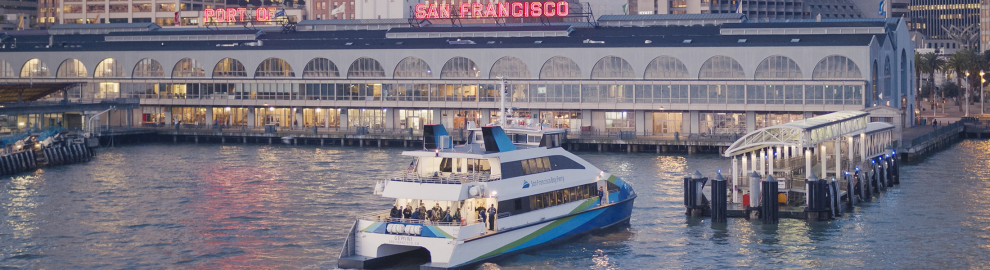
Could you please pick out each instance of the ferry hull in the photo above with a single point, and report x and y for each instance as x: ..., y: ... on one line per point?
x: 455, y: 254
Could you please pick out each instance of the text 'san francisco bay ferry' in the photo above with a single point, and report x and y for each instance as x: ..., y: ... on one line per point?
x: 444, y: 199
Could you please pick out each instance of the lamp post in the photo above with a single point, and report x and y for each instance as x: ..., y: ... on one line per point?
x: 983, y: 104
x: 966, y: 101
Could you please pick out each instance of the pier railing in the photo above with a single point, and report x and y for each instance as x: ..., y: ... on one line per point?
x: 445, y: 178
x: 950, y: 128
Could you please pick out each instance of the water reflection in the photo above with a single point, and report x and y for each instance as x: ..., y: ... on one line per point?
x: 254, y: 206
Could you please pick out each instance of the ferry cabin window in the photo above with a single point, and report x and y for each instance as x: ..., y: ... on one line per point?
x: 446, y: 166
x: 551, y: 140
x: 537, y: 165
x: 460, y: 165
x: 612, y: 187
x: 548, y: 199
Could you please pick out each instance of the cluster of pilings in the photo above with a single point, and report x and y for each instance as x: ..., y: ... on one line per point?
x: 31, y: 159
x: 825, y: 199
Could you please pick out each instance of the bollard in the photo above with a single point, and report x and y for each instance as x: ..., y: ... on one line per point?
x: 897, y: 171
x: 833, y: 195
x: 770, y: 209
x: 719, y: 200
x: 754, y: 196
x: 816, y: 200
x: 694, y: 200
x: 850, y: 191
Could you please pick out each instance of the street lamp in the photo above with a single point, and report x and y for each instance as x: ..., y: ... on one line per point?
x: 982, y: 104
x: 966, y: 102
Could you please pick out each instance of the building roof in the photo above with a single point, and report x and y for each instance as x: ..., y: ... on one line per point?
x: 653, y: 17
x: 104, y: 26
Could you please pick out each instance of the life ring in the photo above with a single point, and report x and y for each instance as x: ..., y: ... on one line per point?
x: 463, y: 222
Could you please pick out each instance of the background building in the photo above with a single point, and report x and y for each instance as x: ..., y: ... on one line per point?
x: 934, y: 19
x: 754, y: 10
x: 699, y: 76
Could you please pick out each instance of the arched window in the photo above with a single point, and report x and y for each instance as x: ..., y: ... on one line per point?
x: 875, y: 81
x: 886, y: 79
x: 412, y: 67
x: 560, y: 67
x: 108, y: 68
x: 71, y: 68
x: 836, y: 67
x: 320, y: 68
x: 147, y: 68
x: 187, y: 67
x: 721, y: 67
x: 5, y: 70
x: 778, y: 67
x: 229, y: 67
x: 459, y: 67
x: 612, y: 67
x: 510, y: 68
x: 365, y: 67
x: 666, y: 67
x: 274, y: 67
x: 904, y: 74
x: 34, y: 68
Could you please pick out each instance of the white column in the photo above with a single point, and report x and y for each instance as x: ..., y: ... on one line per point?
x: 770, y: 159
x: 862, y: 147
x: 735, y: 177
x: 763, y: 161
x: 838, y: 157
x: 745, y: 168
x: 807, y: 174
x: 824, y: 162
x: 852, y: 164
x: 754, y: 160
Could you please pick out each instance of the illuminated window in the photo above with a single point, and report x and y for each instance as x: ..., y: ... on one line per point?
x: 612, y: 67
x: 320, y: 68
x: 109, y: 68
x: 619, y: 120
x: 721, y: 66
x: 229, y: 67
x: 666, y: 67
x: 560, y: 67
x: 148, y: 68
x: 459, y: 67
x: 509, y: 67
x: 71, y: 68
x: 5, y: 70
x: 836, y: 67
x: 274, y: 67
x: 365, y: 67
x: 412, y: 67
x: 187, y: 67
x: 778, y: 67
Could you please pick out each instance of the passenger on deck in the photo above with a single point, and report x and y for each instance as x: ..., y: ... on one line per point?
x: 601, y: 195
x: 416, y: 215
x: 437, y: 212
x: 481, y: 213
x: 457, y: 215
x: 491, y: 217
x: 407, y: 213
x: 395, y: 213
x: 429, y: 215
x: 446, y: 215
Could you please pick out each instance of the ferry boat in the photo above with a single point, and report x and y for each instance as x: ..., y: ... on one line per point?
x: 541, y: 194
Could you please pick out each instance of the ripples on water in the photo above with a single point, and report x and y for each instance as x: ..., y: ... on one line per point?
x: 252, y: 206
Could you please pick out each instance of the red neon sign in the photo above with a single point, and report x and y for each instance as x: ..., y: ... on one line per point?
x: 494, y: 10
x: 261, y: 14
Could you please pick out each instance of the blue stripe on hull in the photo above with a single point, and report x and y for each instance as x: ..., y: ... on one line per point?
x: 583, y: 223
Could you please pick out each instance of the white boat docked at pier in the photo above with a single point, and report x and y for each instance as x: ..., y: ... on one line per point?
x: 541, y: 193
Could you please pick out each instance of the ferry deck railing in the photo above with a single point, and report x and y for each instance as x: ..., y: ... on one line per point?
x: 445, y: 178
x: 383, y: 216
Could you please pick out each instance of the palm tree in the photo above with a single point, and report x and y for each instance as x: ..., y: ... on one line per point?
x: 919, y: 68
x: 959, y: 63
x: 933, y: 63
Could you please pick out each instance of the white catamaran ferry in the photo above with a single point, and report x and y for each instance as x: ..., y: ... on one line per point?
x: 443, y: 201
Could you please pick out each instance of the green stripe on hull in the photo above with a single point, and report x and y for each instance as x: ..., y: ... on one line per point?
x: 539, y: 232
x: 445, y: 234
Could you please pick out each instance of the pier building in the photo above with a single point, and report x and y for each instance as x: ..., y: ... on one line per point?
x: 644, y: 75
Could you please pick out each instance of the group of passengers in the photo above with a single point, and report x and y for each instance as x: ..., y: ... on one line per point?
x: 435, y: 214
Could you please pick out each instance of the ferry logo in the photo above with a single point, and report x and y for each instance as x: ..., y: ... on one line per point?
x: 525, y: 184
